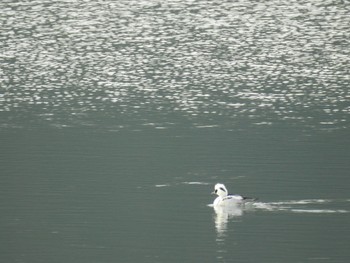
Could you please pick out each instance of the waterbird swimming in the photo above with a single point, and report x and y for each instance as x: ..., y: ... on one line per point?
x: 224, y: 199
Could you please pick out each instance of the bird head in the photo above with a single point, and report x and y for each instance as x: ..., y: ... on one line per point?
x: 220, y: 190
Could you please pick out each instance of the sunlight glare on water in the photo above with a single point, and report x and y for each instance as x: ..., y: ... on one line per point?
x: 206, y: 61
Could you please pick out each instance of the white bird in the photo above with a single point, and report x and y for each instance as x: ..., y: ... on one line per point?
x: 224, y: 199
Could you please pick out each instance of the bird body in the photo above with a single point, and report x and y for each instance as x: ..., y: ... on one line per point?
x: 224, y: 199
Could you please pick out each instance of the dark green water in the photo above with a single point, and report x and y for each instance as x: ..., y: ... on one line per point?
x: 118, y: 117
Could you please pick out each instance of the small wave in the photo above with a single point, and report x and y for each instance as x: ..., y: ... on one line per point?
x: 186, y: 183
x: 319, y: 211
x: 302, y: 202
x: 301, y: 206
x: 162, y: 185
x: 198, y: 183
x: 263, y: 206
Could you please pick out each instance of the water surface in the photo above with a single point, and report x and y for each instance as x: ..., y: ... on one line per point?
x: 117, y: 119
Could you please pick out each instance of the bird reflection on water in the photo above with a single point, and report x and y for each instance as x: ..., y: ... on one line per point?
x: 224, y: 214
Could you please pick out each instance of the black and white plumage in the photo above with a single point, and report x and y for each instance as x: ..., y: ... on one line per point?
x: 224, y: 199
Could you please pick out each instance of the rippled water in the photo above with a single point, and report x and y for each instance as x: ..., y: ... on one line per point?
x: 130, y: 63
x: 118, y: 117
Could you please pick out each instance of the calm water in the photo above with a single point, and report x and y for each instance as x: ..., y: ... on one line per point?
x: 118, y: 117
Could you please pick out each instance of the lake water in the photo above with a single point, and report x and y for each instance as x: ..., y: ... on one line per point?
x: 118, y: 117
